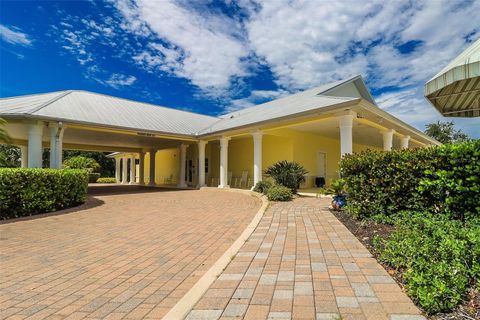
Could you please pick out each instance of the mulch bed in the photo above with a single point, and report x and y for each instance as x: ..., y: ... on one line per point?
x: 365, y: 231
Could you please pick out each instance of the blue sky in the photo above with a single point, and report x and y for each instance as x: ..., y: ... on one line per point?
x: 217, y: 56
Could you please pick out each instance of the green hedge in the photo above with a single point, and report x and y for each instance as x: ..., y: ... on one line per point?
x: 25, y: 192
x: 106, y: 180
x: 440, y: 179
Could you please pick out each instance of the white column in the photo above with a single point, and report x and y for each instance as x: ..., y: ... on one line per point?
x: 53, y: 145
x: 124, y: 170
x: 60, y: 147
x: 224, y: 162
x: 117, y: 170
x: 201, y: 163
x: 404, y: 142
x: 141, y: 168
x: 56, y: 145
x: 183, y: 159
x: 24, y: 156
x: 132, y: 169
x: 35, y: 133
x: 152, y: 167
x: 257, y: 157
x: 387, y: 139
x: 345, y: 123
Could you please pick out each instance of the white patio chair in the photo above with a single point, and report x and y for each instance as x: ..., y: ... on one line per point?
x: 244, y: 179
x: 168, y: 180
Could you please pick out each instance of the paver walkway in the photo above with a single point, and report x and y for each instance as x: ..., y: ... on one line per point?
x: 302, y: 263
x: 123, y: 255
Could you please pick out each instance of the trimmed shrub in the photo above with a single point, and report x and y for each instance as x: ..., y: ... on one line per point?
x: 279, y: 193
x: 81, y: 162
x: 439, y: 257
x: 262, y: 187
x: 25, y: 192
x: 440, y: 179
x: 287, y: 173
x: 106, y: 180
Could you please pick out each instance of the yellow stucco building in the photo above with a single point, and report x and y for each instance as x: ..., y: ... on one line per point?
x: 155, y: 145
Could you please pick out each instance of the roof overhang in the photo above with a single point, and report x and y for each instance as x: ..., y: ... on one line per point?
x: 455, y: 91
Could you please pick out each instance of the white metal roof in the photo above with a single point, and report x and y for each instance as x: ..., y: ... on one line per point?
x: 92, y: 108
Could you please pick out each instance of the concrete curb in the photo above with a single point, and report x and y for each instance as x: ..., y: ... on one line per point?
x: 188, y: 301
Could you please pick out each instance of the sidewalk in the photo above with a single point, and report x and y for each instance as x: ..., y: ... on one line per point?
x: 302, y: 263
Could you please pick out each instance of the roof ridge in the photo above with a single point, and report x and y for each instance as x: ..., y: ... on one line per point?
x: 340, y: 82
x: 33, y: 94
x: 43, y: 105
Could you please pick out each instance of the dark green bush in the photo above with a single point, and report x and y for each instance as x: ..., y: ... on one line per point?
x: 440, y: 179
x: 279, y: 193
x: 452, y: 182
x: 106, y: 180
x: 262, y: 186
x: 287, y: 173
x: 81, y: 162
x: 25, y: 192
x: 439, y: 257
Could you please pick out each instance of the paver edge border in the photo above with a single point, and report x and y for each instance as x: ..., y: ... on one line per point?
x: 181, y: 309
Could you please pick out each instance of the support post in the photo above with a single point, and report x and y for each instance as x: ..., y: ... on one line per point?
x: 132, y: 169
x: 183, y: 159
x: 201, y: 163
x: 24, y: 156
x: 257, y: 157
x: 387, y: 139
x: 117, y: 170
x: 224, y: 162
x: 56, y: 145
x: 152, y: 167
x: 124, y: 170
x: 345, y: 123
x: 141, y: 168
x: 35, y: 133
x: 404, y: 142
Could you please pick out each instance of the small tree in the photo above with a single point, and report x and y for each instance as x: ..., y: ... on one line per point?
x: 287, y: 173
x: 445, y: 132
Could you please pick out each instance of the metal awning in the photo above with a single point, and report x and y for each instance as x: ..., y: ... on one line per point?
x: 455, y: 91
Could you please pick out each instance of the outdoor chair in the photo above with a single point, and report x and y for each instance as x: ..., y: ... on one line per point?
x: 243, y: 180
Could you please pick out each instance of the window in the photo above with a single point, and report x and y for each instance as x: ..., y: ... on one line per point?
x: 206, y: 165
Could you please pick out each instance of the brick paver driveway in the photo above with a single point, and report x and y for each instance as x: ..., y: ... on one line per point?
x: 130, y: 254
x: 302, y: 263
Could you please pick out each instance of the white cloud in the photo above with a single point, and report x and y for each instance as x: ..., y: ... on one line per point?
x: 302, y: 43
x: 201, y: 46
x: 14, y: 35
x: 117, y: 80
x: 76, y: 44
